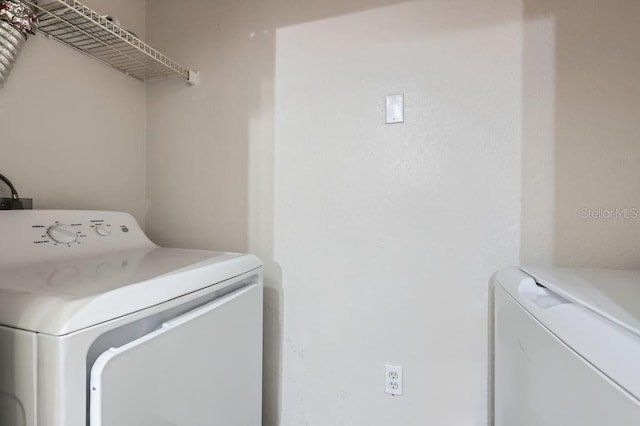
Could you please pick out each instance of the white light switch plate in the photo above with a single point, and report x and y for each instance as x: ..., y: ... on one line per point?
x: 395, y: 109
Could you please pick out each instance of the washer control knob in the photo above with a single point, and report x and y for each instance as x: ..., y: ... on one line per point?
x: 103, y: 231
x: 61, y: 233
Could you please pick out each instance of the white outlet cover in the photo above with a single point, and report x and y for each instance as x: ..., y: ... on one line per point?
x: 393, y: 379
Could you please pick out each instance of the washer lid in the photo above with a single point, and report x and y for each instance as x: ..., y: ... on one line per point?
x: 613, y: 294
x: 593, y: 312
x: 62, y: 296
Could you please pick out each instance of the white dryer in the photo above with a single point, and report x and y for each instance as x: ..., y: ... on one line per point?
x: 100, y: 327
x: 567, y: 347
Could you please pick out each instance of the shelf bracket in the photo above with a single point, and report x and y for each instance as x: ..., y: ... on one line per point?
x: 193, y: 77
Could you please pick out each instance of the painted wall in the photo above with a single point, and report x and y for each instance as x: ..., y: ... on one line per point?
x: 378, y: 240
x: 373, y: 236
x: 581, y: 133
x: 386, y: 234
x: 73, y: 129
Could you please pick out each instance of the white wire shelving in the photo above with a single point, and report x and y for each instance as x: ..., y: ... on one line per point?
x: 79, y: 27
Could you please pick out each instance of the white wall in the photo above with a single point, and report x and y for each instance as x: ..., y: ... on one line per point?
x: 386, y: 234
x: 370, y: 220
x: 517, y: 117
x: 73, y: 129
x: 581, y: 132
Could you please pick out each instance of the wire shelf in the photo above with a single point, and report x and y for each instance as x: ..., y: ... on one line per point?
x: 74, y: 24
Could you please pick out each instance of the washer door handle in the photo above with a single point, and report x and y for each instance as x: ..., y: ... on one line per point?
x: 538, y: 297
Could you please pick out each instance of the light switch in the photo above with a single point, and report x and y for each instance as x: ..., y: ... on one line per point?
x: 395, y: 109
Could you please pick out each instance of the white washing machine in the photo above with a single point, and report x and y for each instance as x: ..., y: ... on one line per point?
x: 100, y: 327
x: 567, y: 347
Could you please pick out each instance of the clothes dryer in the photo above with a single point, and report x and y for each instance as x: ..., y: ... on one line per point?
x: 101, y: 327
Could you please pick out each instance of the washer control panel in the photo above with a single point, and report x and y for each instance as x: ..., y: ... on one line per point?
x: 29, y: 234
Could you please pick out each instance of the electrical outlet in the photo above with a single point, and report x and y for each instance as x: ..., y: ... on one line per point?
x: 393, y: 379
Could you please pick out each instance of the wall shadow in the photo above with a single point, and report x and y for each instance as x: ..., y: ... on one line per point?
x: 581, y: 94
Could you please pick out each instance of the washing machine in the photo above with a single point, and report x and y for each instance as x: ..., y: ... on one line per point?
x: 567, y: 347
x: 101, y: 327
